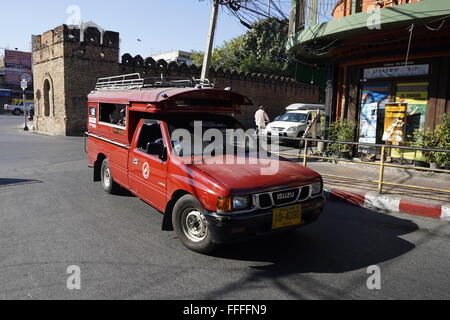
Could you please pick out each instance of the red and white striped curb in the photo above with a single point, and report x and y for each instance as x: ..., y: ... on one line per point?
x: 397, y: 204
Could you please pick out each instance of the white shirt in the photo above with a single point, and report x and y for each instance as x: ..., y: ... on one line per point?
x: 261, y: 118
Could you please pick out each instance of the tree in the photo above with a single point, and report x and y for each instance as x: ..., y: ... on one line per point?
x: 197, y: 57
x: 261, y: 50
x: 265, y: 49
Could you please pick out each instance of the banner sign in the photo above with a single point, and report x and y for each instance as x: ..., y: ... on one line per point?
x: 15, y: 76
x: 18, y: 59
x: 394, y: 125
x: 373, y: 99
x: 397, y: 71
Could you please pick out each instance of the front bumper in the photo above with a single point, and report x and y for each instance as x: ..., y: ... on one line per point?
x: 289, y: 134
x: 231, y: 229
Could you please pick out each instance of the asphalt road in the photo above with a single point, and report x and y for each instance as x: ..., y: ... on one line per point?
x: 53, y: 216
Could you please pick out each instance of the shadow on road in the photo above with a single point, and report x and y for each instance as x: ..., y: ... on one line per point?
x: 14, y: 182
x: 346, y: 238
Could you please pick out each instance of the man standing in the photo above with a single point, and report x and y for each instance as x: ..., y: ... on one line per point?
x: 261, y: 119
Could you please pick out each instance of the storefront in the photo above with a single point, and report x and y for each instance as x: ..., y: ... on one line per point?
x: 392, y: 82
x: 392, y: 77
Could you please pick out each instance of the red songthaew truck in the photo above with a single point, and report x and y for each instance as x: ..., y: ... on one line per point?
x: 131, y: 145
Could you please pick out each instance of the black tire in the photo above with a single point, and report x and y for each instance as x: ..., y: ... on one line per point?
x: 188, y: 215
x: 108, y: 183
x: 17, y: 112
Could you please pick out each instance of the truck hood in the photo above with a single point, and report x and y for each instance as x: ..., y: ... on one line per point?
x: 248, y: 178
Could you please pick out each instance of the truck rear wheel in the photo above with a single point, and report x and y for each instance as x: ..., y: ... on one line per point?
x: 190, y: 225
x: 17, y: 112
x: 107, y: 179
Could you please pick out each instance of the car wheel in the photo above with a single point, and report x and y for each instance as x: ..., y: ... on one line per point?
x: 17, y: 112
x: 190, y: 225
x: 107, y: 179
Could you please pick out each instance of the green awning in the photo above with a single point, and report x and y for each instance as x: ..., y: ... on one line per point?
x: 305, y: 44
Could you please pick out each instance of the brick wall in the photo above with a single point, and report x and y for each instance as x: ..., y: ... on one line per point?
x: 344, y: 7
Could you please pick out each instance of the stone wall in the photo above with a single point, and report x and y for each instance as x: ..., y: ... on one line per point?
x: 71, y: 68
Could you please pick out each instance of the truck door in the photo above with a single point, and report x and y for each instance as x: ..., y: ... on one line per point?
x: 148, y: 164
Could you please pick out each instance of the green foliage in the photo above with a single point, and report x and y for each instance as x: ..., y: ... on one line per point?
x: 265, y: 49
x: 437, y: 139
x: 197, y: 57
x: 341, y: 131
x: 261, y: 50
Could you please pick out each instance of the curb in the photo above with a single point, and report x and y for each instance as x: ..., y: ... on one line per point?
x: 394, y: 204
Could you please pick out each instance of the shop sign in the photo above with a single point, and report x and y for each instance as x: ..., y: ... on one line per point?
x: 397, y: 71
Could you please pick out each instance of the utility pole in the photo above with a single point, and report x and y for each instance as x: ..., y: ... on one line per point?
x: 210, y: 41
x: 313, y: 13
x: 297, y: 20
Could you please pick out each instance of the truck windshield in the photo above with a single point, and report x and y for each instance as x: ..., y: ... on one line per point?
x: 224, y: 124
x: 293, y: 117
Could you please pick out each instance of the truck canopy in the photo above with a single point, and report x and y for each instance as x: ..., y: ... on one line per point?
x: 166, y: 96
x: 305, y: 106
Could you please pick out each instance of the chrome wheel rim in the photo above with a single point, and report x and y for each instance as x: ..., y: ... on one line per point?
x: 107, y: 177
x: 194, y: 226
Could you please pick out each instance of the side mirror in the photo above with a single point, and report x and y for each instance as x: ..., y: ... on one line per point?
x: 156, y: 149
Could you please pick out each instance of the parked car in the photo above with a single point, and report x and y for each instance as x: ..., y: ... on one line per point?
x: 130, y: 145
x: 18, y: 109
x: 294, y: 123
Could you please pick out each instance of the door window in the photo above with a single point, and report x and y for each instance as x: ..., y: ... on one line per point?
x: 150, y: 133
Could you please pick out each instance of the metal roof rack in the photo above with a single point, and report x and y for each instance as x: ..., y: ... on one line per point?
x: 135, y: 82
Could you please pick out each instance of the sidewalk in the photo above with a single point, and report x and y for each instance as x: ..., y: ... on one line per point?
x: 394, y: 199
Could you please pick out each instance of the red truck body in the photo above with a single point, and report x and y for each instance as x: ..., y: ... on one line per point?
x: 162, y: 181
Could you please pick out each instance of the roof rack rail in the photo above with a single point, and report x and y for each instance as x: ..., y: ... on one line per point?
x: 123, y: 82
x: 135, y: 82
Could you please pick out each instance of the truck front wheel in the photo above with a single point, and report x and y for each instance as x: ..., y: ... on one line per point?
x: 190, y: 225
x: 17, y: 112
x: 107, y: 179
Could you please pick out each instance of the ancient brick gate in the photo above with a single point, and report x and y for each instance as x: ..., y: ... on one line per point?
x: 66, y: 70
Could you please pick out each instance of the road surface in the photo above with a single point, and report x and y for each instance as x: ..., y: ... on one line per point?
x: 53, y: 216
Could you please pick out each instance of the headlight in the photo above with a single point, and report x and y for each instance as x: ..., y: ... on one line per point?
x: 317, y: 188
x: 292, y: 129
x: 227, y: 204
x: 241, y: 202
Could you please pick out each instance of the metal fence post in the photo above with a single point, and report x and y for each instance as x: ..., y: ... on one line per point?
x: 305, y: 154
x: 380, y: 182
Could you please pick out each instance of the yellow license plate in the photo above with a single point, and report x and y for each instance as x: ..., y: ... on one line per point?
x: 287, y: 217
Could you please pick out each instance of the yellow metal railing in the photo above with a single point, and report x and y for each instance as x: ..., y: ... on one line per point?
x: 382, y: 164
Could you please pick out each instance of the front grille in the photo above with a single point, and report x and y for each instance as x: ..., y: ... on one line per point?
x: 285, y: 197
x: 304, y: 194
x: 265, y: 201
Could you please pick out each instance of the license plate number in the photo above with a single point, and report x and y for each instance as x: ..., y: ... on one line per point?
x: 287, y: 217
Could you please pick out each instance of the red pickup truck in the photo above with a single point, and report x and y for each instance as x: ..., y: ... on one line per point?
x: 133, y: 144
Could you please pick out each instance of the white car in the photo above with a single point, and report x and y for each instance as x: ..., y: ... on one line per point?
x: 294, y: 123
x: 18, y: 109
